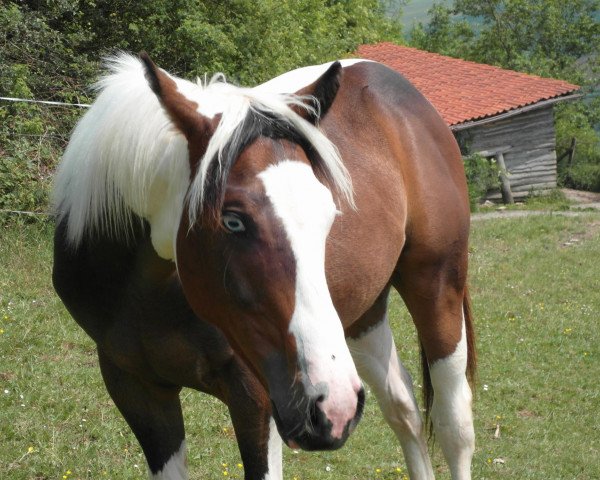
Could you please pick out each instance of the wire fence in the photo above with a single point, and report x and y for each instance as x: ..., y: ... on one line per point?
x: 45, y: 102
x: 49, y: 135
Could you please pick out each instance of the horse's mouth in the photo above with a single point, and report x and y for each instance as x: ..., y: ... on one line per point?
x: 314, y: 432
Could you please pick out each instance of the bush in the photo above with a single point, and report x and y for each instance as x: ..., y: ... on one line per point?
x: 577, y: 120
x: 20, y: 183
x: 30, y: 148
x: 482, y: 176
x: 585, y: 176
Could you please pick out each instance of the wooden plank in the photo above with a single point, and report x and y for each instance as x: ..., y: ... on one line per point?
x: 531, y: 160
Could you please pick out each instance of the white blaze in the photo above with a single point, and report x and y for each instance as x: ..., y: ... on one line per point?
x: 307, y: 211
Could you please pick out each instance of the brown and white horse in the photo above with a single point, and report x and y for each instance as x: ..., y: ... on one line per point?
x: 289, y: 218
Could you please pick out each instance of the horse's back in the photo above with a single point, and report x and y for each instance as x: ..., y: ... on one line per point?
x: 390, y: 127
x: 401, y: 121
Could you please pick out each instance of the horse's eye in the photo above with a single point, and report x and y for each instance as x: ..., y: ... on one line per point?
x: 233, y: 223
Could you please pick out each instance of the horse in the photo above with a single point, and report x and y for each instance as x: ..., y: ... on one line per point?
x: 290, y: 210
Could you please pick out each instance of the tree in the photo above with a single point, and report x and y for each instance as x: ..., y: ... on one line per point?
x: 540, y: 36
x: 444, y: 33
x: 51, y: 50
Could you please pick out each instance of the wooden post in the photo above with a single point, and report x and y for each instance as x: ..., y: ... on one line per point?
x: 507, y: 196
x: 498, y: 154
x: 571, y: 152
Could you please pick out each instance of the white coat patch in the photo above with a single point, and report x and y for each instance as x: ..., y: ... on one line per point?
x: 175, y: 468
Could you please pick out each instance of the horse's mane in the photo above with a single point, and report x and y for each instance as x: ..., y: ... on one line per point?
x: 125, y: 154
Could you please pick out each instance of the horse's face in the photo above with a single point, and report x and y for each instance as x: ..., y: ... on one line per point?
x: 260, y: 277
x: 258, y: 271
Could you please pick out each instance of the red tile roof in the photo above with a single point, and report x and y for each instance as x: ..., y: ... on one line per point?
x: 461, y: 90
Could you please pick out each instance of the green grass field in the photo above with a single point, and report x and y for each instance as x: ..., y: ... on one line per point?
x: 535, y: 287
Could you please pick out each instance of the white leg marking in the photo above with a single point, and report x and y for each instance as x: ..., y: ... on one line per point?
x: 275, y: 471
x: 307, y: 211
x: 175, y: 468
x: 377, y: 362
x: 451, y: 410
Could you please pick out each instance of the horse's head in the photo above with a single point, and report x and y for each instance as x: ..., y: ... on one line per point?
x: 251, y: 251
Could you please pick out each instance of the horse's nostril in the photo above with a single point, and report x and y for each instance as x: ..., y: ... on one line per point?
x: 317, y: 418
x: 360, y: 404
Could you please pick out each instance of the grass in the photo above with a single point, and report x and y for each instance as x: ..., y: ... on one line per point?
x: 534, y: 283
x: 551, y: 200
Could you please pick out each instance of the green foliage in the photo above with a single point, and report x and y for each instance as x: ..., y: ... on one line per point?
x: 574, y: 120
x: 482, y: 176
x: 36, y: 63
x: 20, y: 186
x: 554, y: 200
x: 585, y: 175
x: 544, y: 37
x: 51, y: 50
x: 443, y: 33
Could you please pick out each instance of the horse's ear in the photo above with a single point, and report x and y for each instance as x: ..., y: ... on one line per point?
x: 323, y: 90
x: 180, y: 109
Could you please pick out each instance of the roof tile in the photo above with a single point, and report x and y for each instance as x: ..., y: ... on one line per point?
x: 462, y: 90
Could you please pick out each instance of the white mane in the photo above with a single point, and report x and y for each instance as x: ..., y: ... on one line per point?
x: 126, y: 155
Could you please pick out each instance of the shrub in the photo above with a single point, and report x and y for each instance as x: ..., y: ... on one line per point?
x: 577, y: 120
x: 482, y: 176
x: 585, y: 176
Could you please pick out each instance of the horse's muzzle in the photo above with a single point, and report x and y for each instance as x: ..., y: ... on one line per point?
x: 307, y: 426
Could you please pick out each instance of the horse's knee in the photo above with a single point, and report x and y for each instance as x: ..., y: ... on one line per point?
x: 389, y: 380
x: 403, y: 415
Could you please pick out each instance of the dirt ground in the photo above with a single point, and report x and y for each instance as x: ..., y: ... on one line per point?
x: 581, y: 200
x: 581, y: 197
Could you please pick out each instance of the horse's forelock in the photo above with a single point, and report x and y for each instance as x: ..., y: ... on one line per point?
x: 272, y: 117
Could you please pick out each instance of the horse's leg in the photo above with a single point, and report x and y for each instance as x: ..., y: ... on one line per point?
x: 376, y: 360
x: 435, y: 302
x: 250, y: 410
x: 260, y: 448
x: 154, y: 414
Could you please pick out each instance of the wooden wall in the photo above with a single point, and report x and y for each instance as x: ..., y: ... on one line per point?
x: 531, y: 161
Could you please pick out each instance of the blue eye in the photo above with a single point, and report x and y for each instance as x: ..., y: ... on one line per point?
x: 233, y: 223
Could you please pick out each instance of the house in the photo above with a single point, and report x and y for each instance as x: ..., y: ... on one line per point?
x: 499, y: 113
